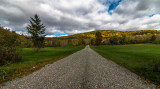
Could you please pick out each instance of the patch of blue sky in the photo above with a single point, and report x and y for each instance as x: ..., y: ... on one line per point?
x: 59, y: 34
x: 151, y: 15
x: 112, y: 5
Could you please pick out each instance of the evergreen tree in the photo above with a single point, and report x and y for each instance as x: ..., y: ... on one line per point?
x: 37, y: 30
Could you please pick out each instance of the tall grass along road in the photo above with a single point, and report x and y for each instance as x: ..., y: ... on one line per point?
x: 84, y: 69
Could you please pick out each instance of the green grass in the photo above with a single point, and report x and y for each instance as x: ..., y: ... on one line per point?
x: 32, y: 61
x: 138, y: 58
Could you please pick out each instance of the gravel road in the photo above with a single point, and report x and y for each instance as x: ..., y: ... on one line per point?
x: 84, y: 69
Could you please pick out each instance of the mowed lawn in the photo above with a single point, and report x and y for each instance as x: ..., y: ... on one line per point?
x: 139, y: 58
x: 32, y: 61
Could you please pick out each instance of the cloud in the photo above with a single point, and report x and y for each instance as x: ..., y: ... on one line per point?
x: 50, y: 36
x: 56, y: 35
x: 76, y: 16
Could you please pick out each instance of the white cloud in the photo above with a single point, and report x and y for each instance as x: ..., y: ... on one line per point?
x: 76, y: 16
x: 50, y: 36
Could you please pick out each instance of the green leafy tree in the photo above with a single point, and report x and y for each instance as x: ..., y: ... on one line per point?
x: 123, y: 39
x: 114, y: 40
x: 37, y: 30
x: 98, y: 38
x: 153, y: 38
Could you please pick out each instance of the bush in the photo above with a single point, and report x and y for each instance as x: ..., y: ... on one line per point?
x: 10, y: 46
x: 9, y: 54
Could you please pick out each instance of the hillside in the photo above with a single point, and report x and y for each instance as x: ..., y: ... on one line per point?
x: 129, y: 37
x: 110, y: 33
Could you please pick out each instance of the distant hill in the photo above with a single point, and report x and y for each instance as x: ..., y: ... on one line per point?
x: 130, y: 37
x: 110, y: 33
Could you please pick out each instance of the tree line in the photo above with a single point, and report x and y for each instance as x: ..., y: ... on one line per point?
x: 106, y: 38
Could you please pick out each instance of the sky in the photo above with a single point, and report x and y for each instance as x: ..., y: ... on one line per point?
x: 66, y: 17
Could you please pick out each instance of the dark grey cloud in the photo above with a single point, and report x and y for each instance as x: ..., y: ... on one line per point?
x: 138, y: 8
x: 142, y: 5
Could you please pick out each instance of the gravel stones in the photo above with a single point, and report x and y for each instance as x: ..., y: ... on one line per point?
x: 84, y: 69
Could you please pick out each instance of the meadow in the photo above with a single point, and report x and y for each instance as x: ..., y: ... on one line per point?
x: 139, y: 58
x: 32, y: 61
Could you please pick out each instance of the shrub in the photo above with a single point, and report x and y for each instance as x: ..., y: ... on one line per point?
x: 10, y: 46
x: 9, y: 54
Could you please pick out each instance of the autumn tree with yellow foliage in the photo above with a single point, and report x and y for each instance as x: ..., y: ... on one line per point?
x: 98, y: 38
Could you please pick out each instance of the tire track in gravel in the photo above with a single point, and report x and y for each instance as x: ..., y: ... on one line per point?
x: 84, y: 69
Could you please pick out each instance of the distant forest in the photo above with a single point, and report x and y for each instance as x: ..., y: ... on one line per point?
x: 110, y: 37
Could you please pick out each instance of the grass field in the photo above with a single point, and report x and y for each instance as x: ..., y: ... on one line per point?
x: 32, y: 61
x: 138, y: 58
